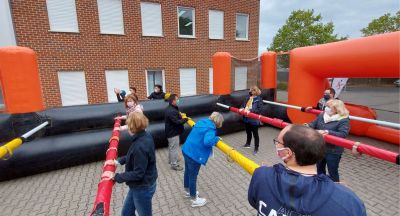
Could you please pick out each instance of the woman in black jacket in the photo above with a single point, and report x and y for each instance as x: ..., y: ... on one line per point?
x: 140, y: 168
x: 252, y: 104
x: 158, y: 93
x: 333, y: 121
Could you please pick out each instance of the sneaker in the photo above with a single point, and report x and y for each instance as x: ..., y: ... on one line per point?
x: 246, y: 146
x: 199, y: 202
x: 255, y: 152
x: 187, y: 194
x: 177, y: 168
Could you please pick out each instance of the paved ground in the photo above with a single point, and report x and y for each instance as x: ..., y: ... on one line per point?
x: 72, y: 191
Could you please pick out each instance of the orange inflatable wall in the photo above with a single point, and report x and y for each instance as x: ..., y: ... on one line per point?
x: 376, y: 56
x: 19, y: 76
x: 221, y: 73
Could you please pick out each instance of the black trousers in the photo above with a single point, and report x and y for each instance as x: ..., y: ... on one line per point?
x: 252, y: 130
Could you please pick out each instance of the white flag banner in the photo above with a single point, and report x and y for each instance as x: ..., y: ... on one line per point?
x: 338, y: 84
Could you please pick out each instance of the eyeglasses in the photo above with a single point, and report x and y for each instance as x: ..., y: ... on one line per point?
x: 276, y: 142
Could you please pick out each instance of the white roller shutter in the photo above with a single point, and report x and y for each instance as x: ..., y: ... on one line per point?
x: 151, y: 19
x: 216, y: 24
x: 240, y: 78
x: 62, y: 15
x: 210, y: 78
x: 188, y: 81
x: 116, y: 79
x: 72, y: 88
x: 110, y: 16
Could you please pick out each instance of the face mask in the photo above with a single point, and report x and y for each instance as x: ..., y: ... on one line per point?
x: 327, y: 96
x: 328, y: 110
x: 156, y: 90
x: 283, y: 158
x: 130, y: 104
x: 250, y: 93
x: 177, y: 102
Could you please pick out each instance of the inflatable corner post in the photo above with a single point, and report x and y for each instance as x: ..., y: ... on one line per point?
x: 268, y: 70
x: 221, y: 73
x: 19, y: 76
x: 368, y: 57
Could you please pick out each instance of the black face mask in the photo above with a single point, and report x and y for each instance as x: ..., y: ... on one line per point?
x: 251, y: 94
x: 327, y: 96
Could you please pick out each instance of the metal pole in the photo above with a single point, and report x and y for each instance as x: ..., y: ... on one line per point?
x: 356, y: 118
x: 34, y: 130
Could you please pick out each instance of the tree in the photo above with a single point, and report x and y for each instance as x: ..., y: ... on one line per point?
x: 302, y: 28
x: 383, y: 24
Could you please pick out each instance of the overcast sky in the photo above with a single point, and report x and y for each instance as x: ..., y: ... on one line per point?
x: 348, y: 16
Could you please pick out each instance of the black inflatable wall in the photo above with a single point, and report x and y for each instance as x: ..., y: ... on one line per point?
x: 80, y: 134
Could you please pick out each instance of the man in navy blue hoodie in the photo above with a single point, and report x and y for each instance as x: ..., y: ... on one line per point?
x: 295, y: 188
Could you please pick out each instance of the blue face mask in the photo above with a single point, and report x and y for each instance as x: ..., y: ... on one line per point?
x: 177, y: 102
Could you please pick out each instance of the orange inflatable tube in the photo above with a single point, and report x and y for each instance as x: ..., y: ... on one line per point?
x: 376, y: 56
x: 19, y: 76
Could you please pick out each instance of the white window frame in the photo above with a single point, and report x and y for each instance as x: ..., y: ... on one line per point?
x: 237, y: 81
x: 106, y: 32
x: 113, y: 98
x: 85, y: 92
x: 194, y: 22
x: 147, y: 81
x: 223, y: 25
x: 247, y: 27
x: 195, y: 84
x: 141, y: 20
x: 211, y: 80
x: 63, y: 30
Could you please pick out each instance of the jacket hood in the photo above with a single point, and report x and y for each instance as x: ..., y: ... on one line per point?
x: 205, y: 123
x: 299, y: 192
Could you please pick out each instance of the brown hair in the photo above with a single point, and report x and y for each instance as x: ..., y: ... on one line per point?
x: 134, y: 97
x: 256, y: 90
x: 137, y: 122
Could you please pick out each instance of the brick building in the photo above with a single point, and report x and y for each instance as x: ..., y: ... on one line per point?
x: 87, y: 47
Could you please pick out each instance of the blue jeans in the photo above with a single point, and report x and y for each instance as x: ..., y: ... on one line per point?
x: 332, y: 161
x: 192, y: 169
x: 139, y: 199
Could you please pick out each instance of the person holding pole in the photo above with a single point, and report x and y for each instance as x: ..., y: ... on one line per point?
x: 329, y: 94
x: 252, y: 104
x: 295, y: 187
x: 196, y: 150
x: 333, y: 121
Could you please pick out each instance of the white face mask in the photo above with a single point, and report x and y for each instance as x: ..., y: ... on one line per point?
x: 283, y: 158
x: 328, y: 110
x: 130, y: 104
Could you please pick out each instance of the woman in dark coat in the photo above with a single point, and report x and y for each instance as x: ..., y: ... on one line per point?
x: 333, y: 121
x: 252, y: 104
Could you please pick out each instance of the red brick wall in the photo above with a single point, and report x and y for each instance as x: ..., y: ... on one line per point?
x: 93, y: 53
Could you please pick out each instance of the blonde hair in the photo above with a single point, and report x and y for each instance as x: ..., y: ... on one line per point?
x: 217, y: 118
x: 137, y: 122
x: 339, y: 107
x: 256, y: 89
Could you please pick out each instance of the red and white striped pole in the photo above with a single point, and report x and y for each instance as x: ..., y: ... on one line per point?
x: 349, y: 144
x: 102, y: 203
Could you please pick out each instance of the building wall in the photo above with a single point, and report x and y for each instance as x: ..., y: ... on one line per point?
x: 93, y: 53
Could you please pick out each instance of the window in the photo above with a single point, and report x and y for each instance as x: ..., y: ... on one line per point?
x: 186, y: 22
x: 62, y: 15
x: 110, y: 16
x: 72, y: 88
x: 210, y: 78
x: 188, y: 81
x: 151, y: 19
x: 215, y: 24
x: 116, y: 79
x: 154, y: 77
x: 240, y: 78
x: 242, y: 27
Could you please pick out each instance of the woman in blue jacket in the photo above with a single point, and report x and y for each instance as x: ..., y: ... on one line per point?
x: 196, y: 150
x: 140, y: 168
x: 333, y: 121
x: 252, y: 104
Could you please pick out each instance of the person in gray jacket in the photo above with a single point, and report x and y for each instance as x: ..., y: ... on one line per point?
x: 333, y: 121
